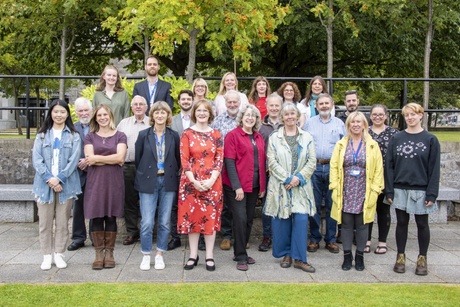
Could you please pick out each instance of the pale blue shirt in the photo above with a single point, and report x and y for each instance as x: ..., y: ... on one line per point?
x: 325, y: 134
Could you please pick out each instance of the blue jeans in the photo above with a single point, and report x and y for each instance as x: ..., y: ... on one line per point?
x: 320, y: 181
x: 148, y: 205
x: 290, y: 237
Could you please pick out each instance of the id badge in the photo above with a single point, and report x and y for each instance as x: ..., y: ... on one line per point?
x: 355, y: 172
x: 161, y: 165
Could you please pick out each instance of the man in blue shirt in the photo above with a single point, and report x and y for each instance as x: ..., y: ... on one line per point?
x: 326, y: 131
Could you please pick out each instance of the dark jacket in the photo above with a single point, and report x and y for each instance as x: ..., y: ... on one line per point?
x: 146, y: 161
x: 162, y: 93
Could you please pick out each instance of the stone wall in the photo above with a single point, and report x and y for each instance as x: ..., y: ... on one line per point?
x: 16, y: 161
x: 450, y: 164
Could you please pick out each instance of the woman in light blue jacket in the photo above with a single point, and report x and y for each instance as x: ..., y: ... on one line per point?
x: 56, y: 184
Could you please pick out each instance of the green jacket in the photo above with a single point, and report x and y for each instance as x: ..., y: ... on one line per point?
x: 374, y: 178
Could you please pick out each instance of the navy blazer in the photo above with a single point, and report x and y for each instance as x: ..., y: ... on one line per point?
x: 78, y: 126
x: 162, y: 93
x: 146, y: 161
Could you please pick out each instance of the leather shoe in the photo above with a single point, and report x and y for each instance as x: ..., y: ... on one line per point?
x: 174, y: 243
x: 286, y: 262
x: 75, y: 245
x: 130, y: 240
x: 312, y: 247
x: 332, y: 247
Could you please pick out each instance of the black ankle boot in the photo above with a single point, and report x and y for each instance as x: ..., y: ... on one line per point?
x: 347, y: 260
x: 359, y: 261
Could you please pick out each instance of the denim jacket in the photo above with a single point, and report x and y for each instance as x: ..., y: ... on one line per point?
x: 42, y: 157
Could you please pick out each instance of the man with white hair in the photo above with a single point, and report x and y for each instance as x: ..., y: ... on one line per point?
x: 84, y: 110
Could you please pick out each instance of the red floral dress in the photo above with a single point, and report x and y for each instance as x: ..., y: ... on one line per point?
x: 201, y: 153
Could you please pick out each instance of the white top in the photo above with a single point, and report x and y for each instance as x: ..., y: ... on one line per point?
x: 57, y: 134
x: 219, y: 101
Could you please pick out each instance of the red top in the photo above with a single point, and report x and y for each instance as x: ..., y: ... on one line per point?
x: 262, y: 107
x: 238, y: 147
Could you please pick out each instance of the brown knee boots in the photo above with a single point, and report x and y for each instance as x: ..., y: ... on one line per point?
x: 110, y: 237
x: 99, y: 247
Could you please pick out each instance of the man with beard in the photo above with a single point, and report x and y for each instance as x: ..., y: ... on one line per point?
x: 180, y: 122
x: 351, y: 103
x: 84, y: 110
x: 153, y: 89
x: 226, y: 122
x: 131, y: 126
x: 326, y: 131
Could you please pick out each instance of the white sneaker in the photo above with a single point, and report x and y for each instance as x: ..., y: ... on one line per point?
x: 159, y: 263
x: 145, y: 264
x: 46, y: 264
x: 59, y: 260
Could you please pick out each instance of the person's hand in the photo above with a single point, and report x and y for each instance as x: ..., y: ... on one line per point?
x: 261, y: 194
x: 198, y: 186
x: 57, y: 188
x: 239, y: 194
x: 390, y: 200
x: 429, y: 203
x: 90, y: 160
x: 207, y: 184
x: 53, y: 182
x: 82, y: 164
x: 293, y: 183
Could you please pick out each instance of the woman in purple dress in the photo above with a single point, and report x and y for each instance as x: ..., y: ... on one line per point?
x: 105, y: 150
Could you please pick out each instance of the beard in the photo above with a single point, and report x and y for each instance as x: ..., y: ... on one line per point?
x: 85, y: 121
x: 324, y: 113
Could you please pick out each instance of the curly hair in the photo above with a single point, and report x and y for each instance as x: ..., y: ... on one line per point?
x: 297, y: 95
x: 255, y: 111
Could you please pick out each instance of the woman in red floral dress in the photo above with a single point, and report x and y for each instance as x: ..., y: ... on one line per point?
x: 200, y: 188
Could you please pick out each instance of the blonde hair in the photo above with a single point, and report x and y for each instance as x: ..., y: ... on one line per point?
x: 412, y: 106
x: 160, y: 106
x: 222, y: 89
x: 359, y: 115
x: 94, y: 125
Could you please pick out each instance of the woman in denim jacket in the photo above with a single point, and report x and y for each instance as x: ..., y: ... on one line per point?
x: 56, y: 184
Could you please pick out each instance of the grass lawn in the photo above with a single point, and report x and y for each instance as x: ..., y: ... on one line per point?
x: 229, y: 294
x: 447, y: 136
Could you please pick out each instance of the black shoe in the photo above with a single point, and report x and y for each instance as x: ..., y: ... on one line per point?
x: 131, y: 240
x: 265, y: 245
x: 194, y: 263
x: 201, y: 244
x: 174, y: 243
x: 359, y: 261
x: 75, y: 245
x: 210, y: 267
x: 347, y: 260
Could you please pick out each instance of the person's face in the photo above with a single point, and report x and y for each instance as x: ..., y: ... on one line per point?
x: 230, y: 82
x: 351, y: 102
x: 288, y: 93
x: 290, y: 118
x: 103, y: 118
x: 249, y: 120
x: 202, y: 114
x: 160, y: 117
x: 324, y: 106
x: 152, y: 67
x: 378, y: 116
x: 200, y: 90
x: 317, y: 87
x: 83, y: 113
x: 357, y: 126
x: 412, y: 119
x: 233, y: 104
x: 59, y: 115
x: 261, y: 88
x: 274, y: 108
x: 185, y: 102
x: 138, y: 107
x: 110, y: 76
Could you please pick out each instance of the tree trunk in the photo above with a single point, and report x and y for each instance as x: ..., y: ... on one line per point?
x: 330, y: 44
x: 191, y: 55
x: 426, y: 64
x: 62, y: 63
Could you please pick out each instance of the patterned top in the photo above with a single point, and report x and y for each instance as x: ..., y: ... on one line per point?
x: 354, y: 188
x: 383, y: 138
x: 292, y: 143
x: 224, y: 123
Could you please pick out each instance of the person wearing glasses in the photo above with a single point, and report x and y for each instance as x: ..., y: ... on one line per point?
x: 200, y: 91
x: 381, y: 133
x: 412, y: 172
x: 290, y: 93
x: 244, y: 178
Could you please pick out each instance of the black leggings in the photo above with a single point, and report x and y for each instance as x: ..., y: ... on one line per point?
x: 104, y: 224
x: 423, y: 231
x: 383, y: 220
x: 350, y: 222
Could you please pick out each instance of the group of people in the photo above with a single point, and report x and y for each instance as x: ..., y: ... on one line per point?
x: 204, y: 170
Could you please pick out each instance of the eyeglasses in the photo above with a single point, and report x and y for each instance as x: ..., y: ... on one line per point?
x: 378, y: 115
x: 250, y: 115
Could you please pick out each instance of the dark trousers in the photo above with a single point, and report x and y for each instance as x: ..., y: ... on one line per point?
x: 78, y: 219
x: 243, y: 216
x: 173, y: 230
x: 132, y: 210
x: 226, y: 218
x: 423, y: 231
x: 383, y: 220
x: 349, y: 223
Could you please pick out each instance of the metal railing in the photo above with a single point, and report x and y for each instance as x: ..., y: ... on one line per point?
x: 331, y: 81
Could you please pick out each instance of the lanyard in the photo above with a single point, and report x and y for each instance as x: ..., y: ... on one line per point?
x: 160, y: 146
x: 355, y: 154
x: 152, y: 93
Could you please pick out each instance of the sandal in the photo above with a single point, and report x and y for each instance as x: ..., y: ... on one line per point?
x: 367, y: 249
x: 380, y: 250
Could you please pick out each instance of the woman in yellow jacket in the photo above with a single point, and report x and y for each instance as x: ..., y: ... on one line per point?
x: 356, y: 180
